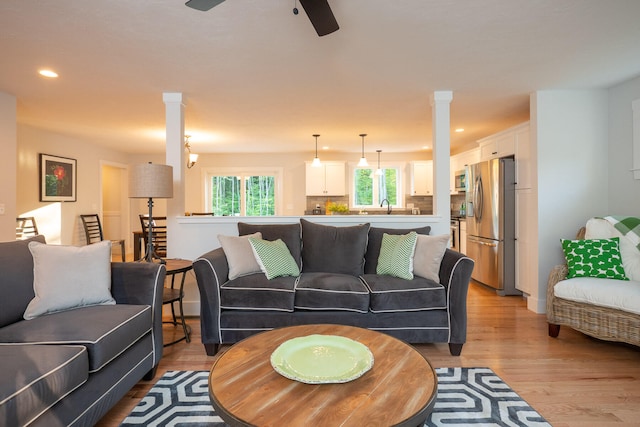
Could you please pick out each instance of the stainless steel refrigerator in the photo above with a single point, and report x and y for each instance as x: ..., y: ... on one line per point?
x: 491, y: 223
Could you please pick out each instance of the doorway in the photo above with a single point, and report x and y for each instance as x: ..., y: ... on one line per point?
x: 115, y: 202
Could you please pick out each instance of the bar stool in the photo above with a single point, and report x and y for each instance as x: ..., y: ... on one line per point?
x: 171, y: 295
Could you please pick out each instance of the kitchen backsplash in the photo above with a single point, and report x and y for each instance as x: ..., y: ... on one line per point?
x: 424, y: 203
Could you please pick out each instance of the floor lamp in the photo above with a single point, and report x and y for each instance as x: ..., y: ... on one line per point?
x: 149, y: 181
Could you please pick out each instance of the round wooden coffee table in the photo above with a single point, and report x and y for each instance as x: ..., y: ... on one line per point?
x: 400, y: 389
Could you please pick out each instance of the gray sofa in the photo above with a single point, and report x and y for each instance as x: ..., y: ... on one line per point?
x: 338, y: 284
x: 69, y: 368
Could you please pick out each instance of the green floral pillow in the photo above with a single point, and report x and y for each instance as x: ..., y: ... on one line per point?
x: 396, y: 255
x: 274, y: 258
x: 594, y: 258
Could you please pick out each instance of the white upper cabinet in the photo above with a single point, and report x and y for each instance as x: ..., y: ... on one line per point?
x: 496, y: 146
x: 326, y: 180
x: 422, y: 178
x: 524, y: 159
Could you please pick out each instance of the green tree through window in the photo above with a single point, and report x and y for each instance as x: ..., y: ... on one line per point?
x: 371, y: 189
x: 255, y: 198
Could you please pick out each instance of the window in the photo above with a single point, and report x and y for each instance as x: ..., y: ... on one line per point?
x: 370, y: 189
x: 237, y: 193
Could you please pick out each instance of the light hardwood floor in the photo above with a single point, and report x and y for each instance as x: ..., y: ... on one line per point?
x: 572, y: 380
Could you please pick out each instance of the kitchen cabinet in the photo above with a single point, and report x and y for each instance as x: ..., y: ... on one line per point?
x: 498, y: 145
x: 422, y: 178
x: 463, y: 236
x: 460, y: 162
x: 328, y: 179
x: 526, y: 220
x: 523, y: 157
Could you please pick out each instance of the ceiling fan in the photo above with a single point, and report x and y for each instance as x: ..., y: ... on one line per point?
x: 318, y: 11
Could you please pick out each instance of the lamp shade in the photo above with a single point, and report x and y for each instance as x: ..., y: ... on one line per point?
x: 149, y: 180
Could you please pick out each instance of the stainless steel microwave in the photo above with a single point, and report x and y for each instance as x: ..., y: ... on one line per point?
x: 461, y: 180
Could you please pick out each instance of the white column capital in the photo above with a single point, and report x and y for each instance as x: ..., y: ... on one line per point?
x: 172, y: 97
x: 441, y: 96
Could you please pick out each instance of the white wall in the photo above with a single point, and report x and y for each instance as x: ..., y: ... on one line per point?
x: 624, y: 191
x: 8, y: 143
x: 59, y: 222
x: 571, y: 141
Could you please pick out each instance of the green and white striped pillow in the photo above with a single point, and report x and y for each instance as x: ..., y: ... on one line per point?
x: 396, y: 255
x: 274, y: 258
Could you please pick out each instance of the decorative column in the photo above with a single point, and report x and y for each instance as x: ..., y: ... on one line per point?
x: 441, y: 124
x: 174, y: 123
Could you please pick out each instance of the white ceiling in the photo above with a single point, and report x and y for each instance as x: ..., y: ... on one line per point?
x: 257, y: 78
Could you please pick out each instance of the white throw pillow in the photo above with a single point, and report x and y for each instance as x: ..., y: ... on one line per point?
x: 428, y: 256
x: 67, y: 277
x: 239, y: 254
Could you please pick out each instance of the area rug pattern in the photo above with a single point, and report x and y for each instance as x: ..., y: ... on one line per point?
x: 465, y: 396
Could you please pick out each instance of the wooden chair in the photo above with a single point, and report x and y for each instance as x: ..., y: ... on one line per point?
x: 26, y: 227
x: 158, y: 235
x: 93, y: 232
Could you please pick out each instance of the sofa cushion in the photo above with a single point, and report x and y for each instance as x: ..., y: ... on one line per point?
x: 65, y: 277
x: 256, y: 292
x: 594, y: 258
x: 390, y: 294
x: 240, y: 258
x: 428, y: 256
x: 396, y: 255
x: 16, y: 279
x: 105, y: 330
x: 274, y: 258
x: 330, y: 249
x: 375, y: 240
x: 608, y: 293
x: 289, y: 233
x: 331, y: 291
x: 35, y: 377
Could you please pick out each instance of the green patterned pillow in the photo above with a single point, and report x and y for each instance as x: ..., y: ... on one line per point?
x: 396, y: 255
x: 594, y: 258
x: 274, y: 258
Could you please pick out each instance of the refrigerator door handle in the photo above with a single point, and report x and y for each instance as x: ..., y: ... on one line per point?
x: 478, y: 198
x: 471, y: 239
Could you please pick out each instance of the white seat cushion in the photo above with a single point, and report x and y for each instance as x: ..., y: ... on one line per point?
x: 619, y: 294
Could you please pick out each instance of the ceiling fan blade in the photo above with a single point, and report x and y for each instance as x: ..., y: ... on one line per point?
x: 320, y: 15
x: 203, y: 5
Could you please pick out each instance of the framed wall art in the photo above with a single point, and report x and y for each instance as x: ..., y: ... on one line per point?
x: 58, y: 179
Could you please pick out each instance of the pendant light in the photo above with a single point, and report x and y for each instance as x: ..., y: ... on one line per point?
x: 379, y: 170
x: 363, y: 160
x: 316, y: 160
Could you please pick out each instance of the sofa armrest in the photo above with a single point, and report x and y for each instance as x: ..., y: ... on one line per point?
x: 211, y: 271
x: 141, y: 283
x: 557, y: 274
x: 455, y: 274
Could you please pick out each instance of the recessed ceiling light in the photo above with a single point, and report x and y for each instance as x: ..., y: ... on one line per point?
x: 460, y: 130
x: 48, y: 73
x: 326, y: 147
x: 425, y: 147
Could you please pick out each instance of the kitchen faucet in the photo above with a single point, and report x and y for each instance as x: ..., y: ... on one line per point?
x: 388, y: 205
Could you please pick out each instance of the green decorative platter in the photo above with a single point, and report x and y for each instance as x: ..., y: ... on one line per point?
x: 322, y: 359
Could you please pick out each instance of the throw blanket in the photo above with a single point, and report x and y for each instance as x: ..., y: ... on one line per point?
x: 629, y: 226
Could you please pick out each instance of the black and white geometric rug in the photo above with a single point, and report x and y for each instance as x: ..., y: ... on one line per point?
x: 466, y: 396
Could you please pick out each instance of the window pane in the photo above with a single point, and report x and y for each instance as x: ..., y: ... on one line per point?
x: 387, y: 186
x: 260, y: 196
x: 225, y: 195
x: 363, y: 183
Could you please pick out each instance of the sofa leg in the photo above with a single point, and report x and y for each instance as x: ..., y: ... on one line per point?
x: 554, y: 330
x: 455, y: 349
x: 212, y: 349
x: 152, y: 373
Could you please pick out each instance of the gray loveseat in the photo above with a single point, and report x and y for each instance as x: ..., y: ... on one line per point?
x: 338, y: 284
x: 71, y: 367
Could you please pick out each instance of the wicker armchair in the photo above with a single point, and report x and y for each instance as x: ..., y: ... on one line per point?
x: 600, y: 322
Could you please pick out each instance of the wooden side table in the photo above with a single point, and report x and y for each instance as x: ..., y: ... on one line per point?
x: 400, y: 389
x: 172, y: 295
